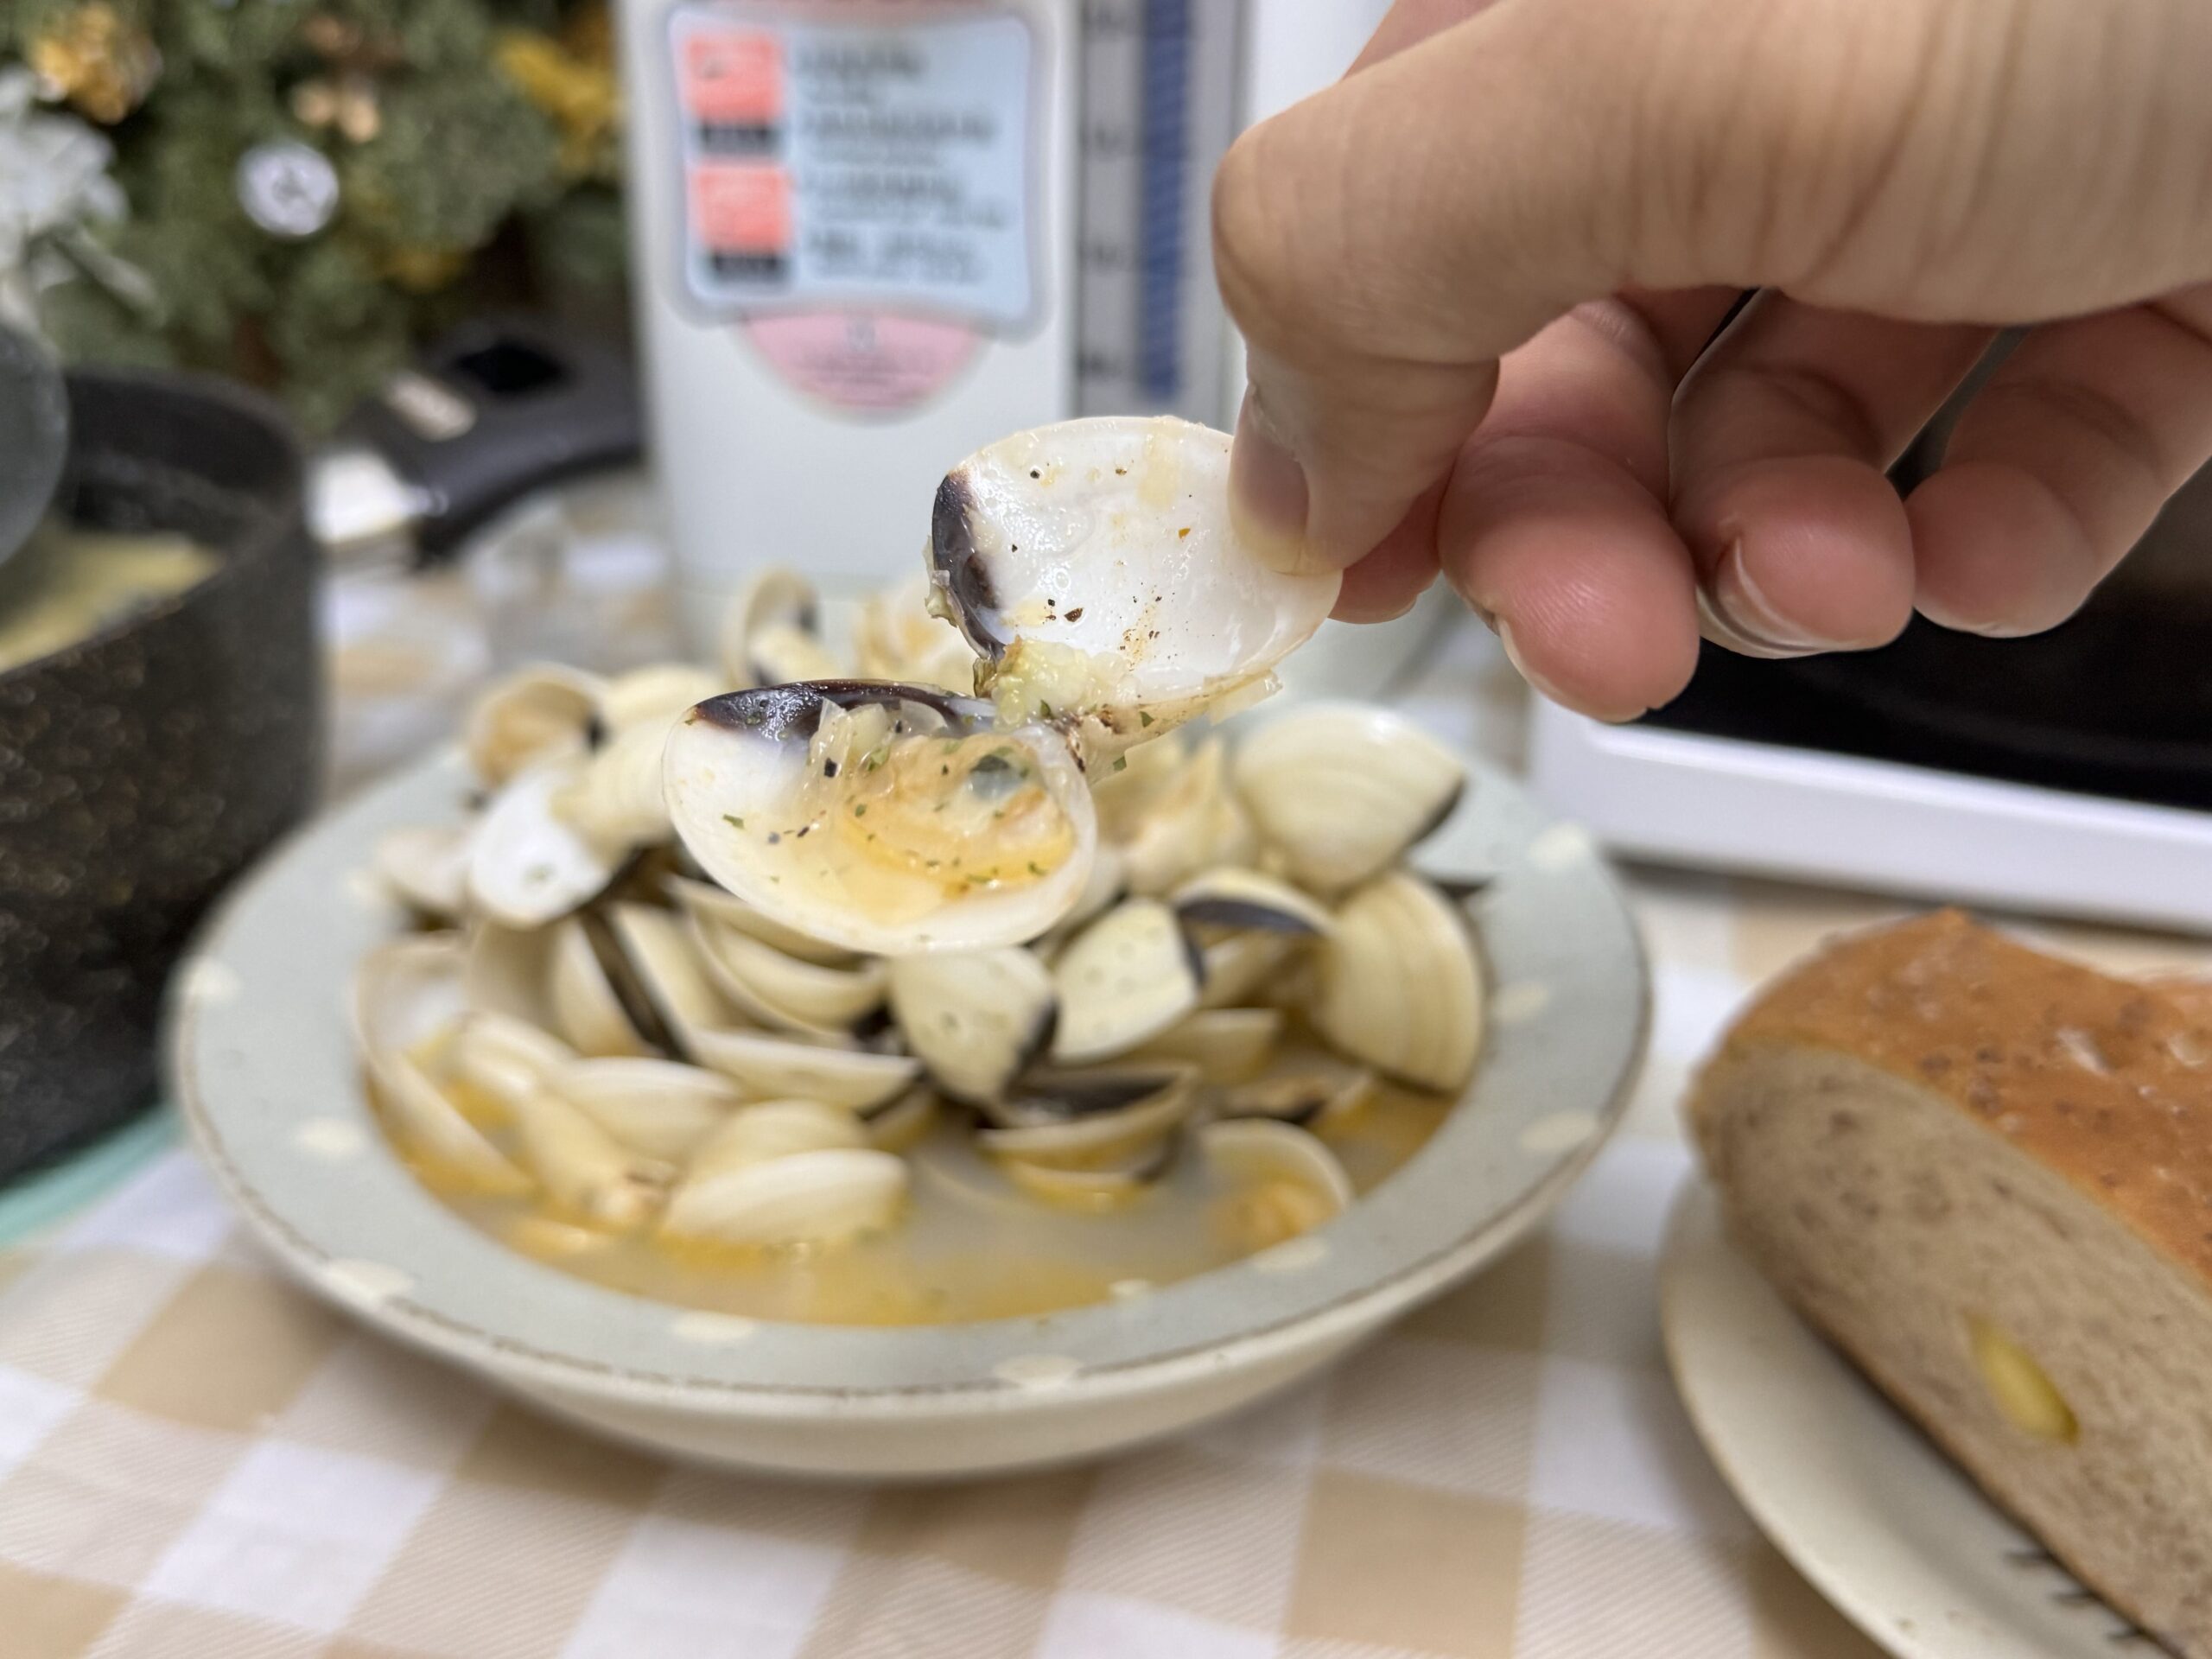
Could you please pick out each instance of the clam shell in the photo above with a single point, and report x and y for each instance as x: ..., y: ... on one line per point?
x: 407, y: 995
x: 613, y: 801
x: 778, y: 606
x: 784, y: 992
x: 529, y: 866
x: 1308, y: 1185
x: 1086, y: 1119
x: 765, y: 1064
x: 582, y: 1168
x: 1109, y: 1186
x: 541, y: 712
x: 773, y: 1128
x: 736, y: 763
x: 900, y: 1126
x: 426, y: 867
x: 1095, y: 563
x: 658, y: 952
x: 661, y: 1108
x: 1340, y: 793
x: 1240, y: 899
x: 974, y: 1018
x: 1240, y: 966
x: 1399, y: 987
x: 1195, y: 824
x: 1228, y: 1045
x: 1122, y: 981
x: 1300, y: 1090
x: 581, y: 995
x: 658, y: 691
x: 897, y: 638
x: 808, y: 1197
x: 505, y: 1055
x: 702, y: 899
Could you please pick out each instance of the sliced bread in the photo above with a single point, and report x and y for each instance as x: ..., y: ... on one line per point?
x: 1986, y: 1174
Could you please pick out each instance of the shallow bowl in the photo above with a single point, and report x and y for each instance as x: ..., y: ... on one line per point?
x: 268, y: 1081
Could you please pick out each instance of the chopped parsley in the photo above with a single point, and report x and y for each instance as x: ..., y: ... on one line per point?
x: 733, y: 820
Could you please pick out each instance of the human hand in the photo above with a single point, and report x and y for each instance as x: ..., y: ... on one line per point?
x: 1478, y: 275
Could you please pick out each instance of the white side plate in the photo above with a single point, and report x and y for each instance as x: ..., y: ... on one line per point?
x: 1864, y: 1506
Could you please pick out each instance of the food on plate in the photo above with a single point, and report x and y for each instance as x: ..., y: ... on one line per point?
x: 930, y: 996
x: 1985, y: 1174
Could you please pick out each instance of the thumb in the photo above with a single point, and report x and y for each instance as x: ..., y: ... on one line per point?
x: 1382, y: 244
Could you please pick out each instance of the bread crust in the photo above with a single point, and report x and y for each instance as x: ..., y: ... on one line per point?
x: 2105, y: 1082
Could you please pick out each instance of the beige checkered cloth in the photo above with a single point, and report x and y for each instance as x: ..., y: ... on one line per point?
x: 199, y: 1462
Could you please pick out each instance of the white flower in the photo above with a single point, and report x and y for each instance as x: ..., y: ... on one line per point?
x: 54, y: 186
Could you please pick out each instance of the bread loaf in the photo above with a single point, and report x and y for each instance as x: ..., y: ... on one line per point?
x: 1986, y: 1174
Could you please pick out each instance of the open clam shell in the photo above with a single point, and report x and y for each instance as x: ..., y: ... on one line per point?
x: 406, y: 1005
x: 974, y: 1018
x: 1076, y: 1119
x: 896, y: 639
x: 661, y: 1108
x: 584, y: 1169
x: 773, y: 634
x: 1094, y: 565
x: 1228, y: 1045
x: 783, y: 992
x: 1231, y: 897
x: 820, y: 1197
x: 540, y: 712
x: 657, y: 692
x: 585, y: 999
x: 1282, y: 1180
x: 1123, y: 981
x: 1398, y: 986
x: 1240, y: 967
x: 766, y: 1065
x: 1300, y: 1089
x: 527, y: 864
x: 1340, y: 793
x: 662, y: 966
x: 882, y: 819
x: 702, y: 899
x: 1195, y: 824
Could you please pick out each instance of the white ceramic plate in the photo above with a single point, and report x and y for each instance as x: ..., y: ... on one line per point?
x: 263, y: 1071
x: 1863, y: 1504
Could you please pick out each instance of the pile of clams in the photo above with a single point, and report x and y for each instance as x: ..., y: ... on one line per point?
x: 717, y: 946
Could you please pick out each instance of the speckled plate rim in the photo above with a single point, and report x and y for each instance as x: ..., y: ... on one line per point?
x: 1857, y: 1499
x: 261, y: 1068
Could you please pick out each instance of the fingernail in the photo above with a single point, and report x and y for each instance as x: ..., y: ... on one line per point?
x: 1742, y: 605
x: 1987, y: 629
x: 1266, y: 492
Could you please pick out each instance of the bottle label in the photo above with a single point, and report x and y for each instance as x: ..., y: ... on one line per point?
x: 853, y: 170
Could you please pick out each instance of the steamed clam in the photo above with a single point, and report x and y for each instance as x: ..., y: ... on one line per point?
x: 1093, y: 565
x: 730, y: 969
x: 882, y: 819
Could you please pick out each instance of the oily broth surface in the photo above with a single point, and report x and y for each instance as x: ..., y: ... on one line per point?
x: 970, y: 1244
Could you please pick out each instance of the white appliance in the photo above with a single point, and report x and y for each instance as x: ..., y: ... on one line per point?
x: 872, y: 235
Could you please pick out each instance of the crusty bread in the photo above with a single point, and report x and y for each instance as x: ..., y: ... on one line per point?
x: 1930, y: 1132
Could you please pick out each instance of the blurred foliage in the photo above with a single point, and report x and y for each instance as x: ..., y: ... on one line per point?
x: 476, y: 145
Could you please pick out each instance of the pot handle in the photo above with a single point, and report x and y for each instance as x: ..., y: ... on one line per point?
x: 500, y: 407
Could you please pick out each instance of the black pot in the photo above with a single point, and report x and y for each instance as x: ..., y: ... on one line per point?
x: 143, y: 768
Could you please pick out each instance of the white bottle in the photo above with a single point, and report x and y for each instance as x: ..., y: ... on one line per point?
x: 852, y: 228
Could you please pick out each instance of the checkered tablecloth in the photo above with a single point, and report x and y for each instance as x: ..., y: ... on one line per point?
x: 199, y: 1462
